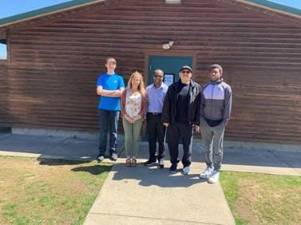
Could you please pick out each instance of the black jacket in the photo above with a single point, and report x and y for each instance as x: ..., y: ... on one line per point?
x: 170, y: 103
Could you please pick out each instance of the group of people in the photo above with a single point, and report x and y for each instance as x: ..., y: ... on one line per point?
x: 172, y: 112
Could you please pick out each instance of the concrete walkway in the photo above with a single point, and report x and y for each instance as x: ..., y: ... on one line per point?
x: 150, y: 196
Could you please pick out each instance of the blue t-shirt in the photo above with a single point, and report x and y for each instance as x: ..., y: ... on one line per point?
x: 110, y: 82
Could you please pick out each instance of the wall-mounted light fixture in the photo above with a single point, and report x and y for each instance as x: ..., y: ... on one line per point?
x: 173, y: 1
x: 168, y: 45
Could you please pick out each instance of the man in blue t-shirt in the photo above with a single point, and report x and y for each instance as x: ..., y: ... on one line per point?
x: 109, y: 87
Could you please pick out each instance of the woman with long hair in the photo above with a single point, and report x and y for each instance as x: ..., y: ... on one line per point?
x: 133, y: 107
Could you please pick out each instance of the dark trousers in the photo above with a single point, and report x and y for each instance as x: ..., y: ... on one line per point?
x: 155, y: 133
x: 108, y: 123
x: 175, y: 133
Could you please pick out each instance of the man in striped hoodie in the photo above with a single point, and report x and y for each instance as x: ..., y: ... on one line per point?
x: 216, y: 103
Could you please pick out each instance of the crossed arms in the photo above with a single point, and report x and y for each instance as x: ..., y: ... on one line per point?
x: 109, y: 93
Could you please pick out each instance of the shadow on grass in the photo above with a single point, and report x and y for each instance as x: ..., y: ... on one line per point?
x: 94, y: 170
x: 61, y: 162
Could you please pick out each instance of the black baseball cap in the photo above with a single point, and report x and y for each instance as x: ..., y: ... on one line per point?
x: 186, y: 67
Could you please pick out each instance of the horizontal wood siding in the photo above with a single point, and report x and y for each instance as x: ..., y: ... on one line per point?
x: 4, y: 105
x: 55, y: 61
x: 2, y: 34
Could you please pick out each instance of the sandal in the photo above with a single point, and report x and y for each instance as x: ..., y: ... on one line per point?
x: 134, y: 162
x: 128, y: 162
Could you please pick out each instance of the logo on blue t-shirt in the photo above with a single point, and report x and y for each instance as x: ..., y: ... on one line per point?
x: 110, y: 82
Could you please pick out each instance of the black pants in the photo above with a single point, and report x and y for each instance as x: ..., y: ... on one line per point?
x: 180, y: 132
x: 156, y: 133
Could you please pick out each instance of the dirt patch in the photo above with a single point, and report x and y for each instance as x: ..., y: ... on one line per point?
x: 247, y: 196
x: 263, y: 199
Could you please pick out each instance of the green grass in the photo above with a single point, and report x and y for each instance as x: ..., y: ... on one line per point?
x: 263, y: 199
x: 48, y: 192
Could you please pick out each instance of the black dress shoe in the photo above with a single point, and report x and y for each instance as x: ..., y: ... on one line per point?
x: 149, y: 162
x: 173, y: 168
x: 161, y: 163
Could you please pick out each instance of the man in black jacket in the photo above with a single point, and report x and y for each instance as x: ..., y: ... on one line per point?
x: 181, y: 113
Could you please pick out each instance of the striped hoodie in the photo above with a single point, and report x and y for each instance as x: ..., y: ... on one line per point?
x: 216, y: 102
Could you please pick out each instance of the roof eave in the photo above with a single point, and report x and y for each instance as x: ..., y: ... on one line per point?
x: 264, y: 4
x: 274, y: 7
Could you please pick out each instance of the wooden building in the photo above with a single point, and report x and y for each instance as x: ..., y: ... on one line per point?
x: 55, y: 55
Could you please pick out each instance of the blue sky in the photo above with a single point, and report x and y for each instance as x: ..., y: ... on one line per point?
x: 13, y: 7
x: 291, y: 3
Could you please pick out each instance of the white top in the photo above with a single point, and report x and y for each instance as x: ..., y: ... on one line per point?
x: 133, y: 104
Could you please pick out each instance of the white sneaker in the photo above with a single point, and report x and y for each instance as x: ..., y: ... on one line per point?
x: 186, y: 170
x: 161, y: 163
x: 114, y: 157
x: 100, y: 158
x: 206, y: 173
x: 214, y: 177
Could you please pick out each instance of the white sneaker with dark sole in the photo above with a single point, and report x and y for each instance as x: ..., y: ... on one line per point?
x: 186, y: 170
x: 214, y: 177
x: 206, y: 173
x: 114, y: 157
x: 161, y: 163
x: 100, y: 158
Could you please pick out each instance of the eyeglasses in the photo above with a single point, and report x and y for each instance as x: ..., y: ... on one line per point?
x: 158, y: 76
x: 185, y: 71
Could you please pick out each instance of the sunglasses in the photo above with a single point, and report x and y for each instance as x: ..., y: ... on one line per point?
x: 185, y: 71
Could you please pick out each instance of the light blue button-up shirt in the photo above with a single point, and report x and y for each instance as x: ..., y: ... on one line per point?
x: 156, y: 97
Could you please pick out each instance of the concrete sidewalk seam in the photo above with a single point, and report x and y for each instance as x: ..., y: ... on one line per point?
x: 153, y: 218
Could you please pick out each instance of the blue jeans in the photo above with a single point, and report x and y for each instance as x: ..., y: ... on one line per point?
x: 108, y: 124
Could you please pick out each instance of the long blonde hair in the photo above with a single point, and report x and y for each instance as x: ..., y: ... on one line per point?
x: 141, y: 86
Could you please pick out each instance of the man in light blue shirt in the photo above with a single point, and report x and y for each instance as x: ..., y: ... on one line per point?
x: 156, y: 131
x: 109, y: 87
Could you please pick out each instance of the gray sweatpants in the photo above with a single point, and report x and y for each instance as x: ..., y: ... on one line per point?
x: 213, y: 140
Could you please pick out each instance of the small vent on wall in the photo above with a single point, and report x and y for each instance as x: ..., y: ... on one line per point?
x: 173, y: 1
